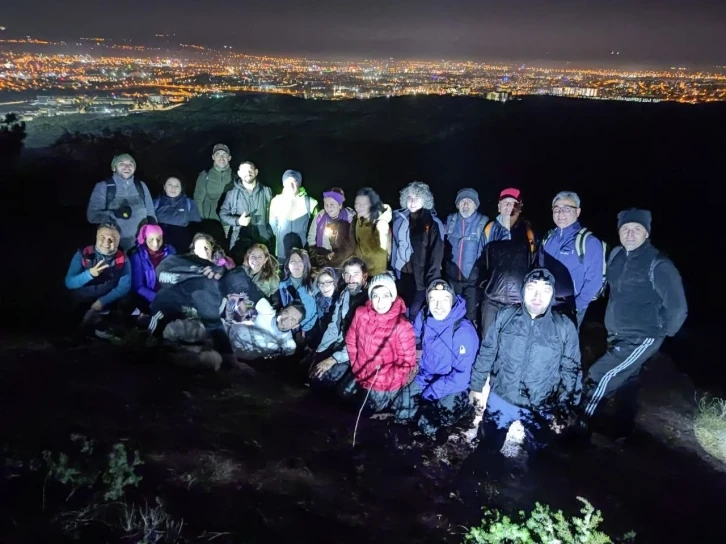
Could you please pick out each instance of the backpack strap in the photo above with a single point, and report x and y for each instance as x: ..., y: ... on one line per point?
x: 189, y: 205
x: 156, y: 203
x: 613, y: 254
x: 531, y: 240
x: 110, y: 191
x: 547, y: 236
x: 450, y: 222
x: 488, y: 230
x: 86, y: 254
x: 651, y: 271
x: 580, y: 240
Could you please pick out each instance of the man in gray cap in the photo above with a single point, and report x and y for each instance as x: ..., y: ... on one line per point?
x: 465, y: 242
x: 122, y: 200
x: 646, y: 304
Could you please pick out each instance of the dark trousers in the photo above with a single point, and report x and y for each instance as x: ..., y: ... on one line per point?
x: 617, y: 373
x: 430, y: 415
x: 341, y: 380
x: 469, y: 290
x: 192, y: 296
x: 489, y: 309
x: 413, y: 297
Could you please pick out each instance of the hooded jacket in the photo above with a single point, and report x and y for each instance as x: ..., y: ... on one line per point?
x: 291, y: 289
x: 533, y: 363
x: 646, y: 294
x: 373, y: 241
x: 257, y: 204
x: 448, y: 352
x: 422, y: 248
x: 465, y: 244
x: 289, y: 220
x: 178, y: 211
x: 143, y: 273
x: 381, y: 347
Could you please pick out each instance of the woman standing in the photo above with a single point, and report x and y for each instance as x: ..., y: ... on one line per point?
x: 371, y: 230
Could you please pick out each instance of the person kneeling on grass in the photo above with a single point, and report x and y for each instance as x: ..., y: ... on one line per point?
x: 439, y: 395
x: 381, y: 347
x: 98, y: 277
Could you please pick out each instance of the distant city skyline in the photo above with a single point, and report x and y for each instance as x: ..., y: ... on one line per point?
x: 646, y: 32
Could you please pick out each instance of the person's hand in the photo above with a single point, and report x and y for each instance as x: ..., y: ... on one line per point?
x: 208, y: 272
x: 322, y: 367
x: 330, y: 256
x: 99, y: 267
x: 419, y: 353
x: 476, y: 399
x: 244, y: 219
x: 557, y: 425
x: 97, y: 306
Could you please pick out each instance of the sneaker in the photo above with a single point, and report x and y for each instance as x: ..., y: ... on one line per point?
x: 106, y: 335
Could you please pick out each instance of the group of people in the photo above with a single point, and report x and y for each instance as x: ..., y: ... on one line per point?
x: 388, y: 309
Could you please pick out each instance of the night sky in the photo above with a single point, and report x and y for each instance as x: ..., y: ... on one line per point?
x: 659, y: 31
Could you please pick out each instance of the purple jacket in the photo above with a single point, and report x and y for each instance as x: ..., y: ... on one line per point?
x: 143, y: 275
x: 586, y: 275
x: 448, y: 354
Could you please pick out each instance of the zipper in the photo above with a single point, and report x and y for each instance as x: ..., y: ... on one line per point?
x: 461, y: 245
x: 525, y: 359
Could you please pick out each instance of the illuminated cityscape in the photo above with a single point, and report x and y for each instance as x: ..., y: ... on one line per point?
x: 98, y: 76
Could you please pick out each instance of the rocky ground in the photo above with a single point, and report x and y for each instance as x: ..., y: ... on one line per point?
x: 229, y: 457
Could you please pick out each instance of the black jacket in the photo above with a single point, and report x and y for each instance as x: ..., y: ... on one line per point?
x: 534, y: 363
x: 508, y: 256
x: 646, y: 294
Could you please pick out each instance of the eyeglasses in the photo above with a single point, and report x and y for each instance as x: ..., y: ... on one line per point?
x: 326, y: 283
x: 563, y: 209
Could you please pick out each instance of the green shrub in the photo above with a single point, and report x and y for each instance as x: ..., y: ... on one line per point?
x: 542, y: 527
x: 709, y: 426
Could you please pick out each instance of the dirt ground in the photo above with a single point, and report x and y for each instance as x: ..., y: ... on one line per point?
x: 261, y: 458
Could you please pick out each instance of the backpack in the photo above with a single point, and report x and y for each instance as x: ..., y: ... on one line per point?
x: 651, y: 270
x: 88, y: 252
x: 580, y: 246
x: 530, y: 235
x: 189, y: 205
x: 111, y: 191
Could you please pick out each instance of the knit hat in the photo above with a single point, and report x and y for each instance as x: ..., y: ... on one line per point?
x: 511, y: 192
x: 383, y: 280
x: 147, y: 230
x: 221, y: 147
x: 297, y: 176
x: 440, y: 285
x: 467, y: 193
x: 121, y: 158
x: 634, y: 215
x: 336, y: 195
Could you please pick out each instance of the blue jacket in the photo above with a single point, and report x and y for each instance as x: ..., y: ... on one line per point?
x: 466, y: 242
x: 587, y: 275
x: 178, y: 211
x: 143, y: 274
x: 307, y: 297
x: 448, y: 355
x: 111, y: 285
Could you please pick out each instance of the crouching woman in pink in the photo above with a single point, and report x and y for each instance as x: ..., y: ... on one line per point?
x: 381, y: 346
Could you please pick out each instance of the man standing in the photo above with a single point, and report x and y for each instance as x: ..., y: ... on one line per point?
x: 212, y: 184
x: 246, y: 210
x: 464, y: 245
x: 577, y: 249
x: 122, y: 200
x: 290, y: 214
x: 532, y: 357
x: 509, y: 253
x: 646, y: 304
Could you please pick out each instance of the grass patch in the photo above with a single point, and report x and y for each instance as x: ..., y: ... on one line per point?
x: 709, y: 426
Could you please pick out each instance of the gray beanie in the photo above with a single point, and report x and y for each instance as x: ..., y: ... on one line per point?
x: 121, y: 158
x: 297, y: 176
x: 467, y: 193
x: 383, y: 280
x: 634, y: 215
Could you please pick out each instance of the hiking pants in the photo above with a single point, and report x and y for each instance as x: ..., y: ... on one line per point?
x: 413, y: 297
x: 340, y: 378
x: 469, y: 290
x: 620, y: 366
x: 432, y: 415
x: 489, y: 309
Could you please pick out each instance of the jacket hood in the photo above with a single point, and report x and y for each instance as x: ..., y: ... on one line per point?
x: 547, y: 276
x: 397, y: 309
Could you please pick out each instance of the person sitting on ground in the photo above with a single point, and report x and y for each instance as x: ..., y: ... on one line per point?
x: 262, y: 267
x: 382, y: 349
x: 298, y: 285
x: 98, y: 276
x: 439, y: 395
x: 370, y: 229
x: 465, y: 243
x: 332, y: 349
x: 149, y: 252
x: 341, y: 243
x: 290, y: 214
x: 417, y: 246
x: 190, y: 288
x: 122, y: 200
x: 508, y: 256
x: 213, y: 184
x: 332, y: 209
x: 268, y: 334
x: 578, y: 249
x: 531, y: 358
x: 326, y: 281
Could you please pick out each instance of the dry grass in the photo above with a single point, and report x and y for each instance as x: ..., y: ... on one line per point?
x: 709, y: 425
